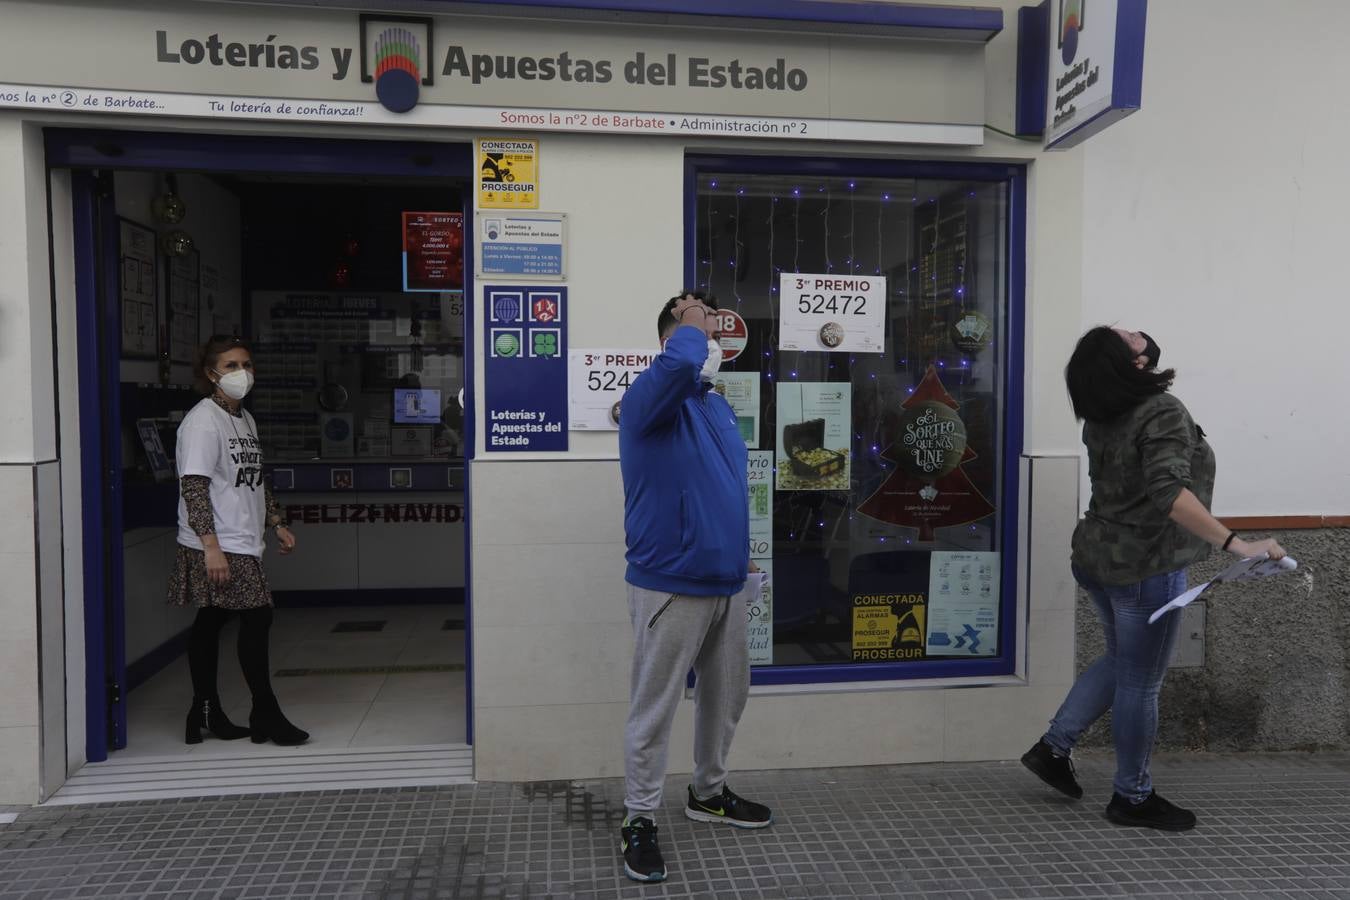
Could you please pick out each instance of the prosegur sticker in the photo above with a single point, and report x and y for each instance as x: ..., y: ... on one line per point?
x: 508, y: 173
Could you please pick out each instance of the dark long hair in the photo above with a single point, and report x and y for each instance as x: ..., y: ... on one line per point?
x: 1104, y: 382
x: 207, y: 357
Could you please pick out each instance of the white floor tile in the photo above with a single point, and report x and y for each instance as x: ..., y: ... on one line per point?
x: 365, y: 710
x: 346, y: 651
x: 431, y: 687
x: 446, y: 647
x: 390, y: 724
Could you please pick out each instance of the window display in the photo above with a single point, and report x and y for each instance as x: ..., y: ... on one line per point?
x: 875, y: 310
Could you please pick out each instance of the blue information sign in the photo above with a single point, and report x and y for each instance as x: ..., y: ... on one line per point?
x: 525, y: 245
x: 525, y: 367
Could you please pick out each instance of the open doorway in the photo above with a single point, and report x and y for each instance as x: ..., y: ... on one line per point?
x: 341, y: 264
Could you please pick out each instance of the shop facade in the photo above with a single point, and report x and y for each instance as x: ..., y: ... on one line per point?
x: 537, y: 180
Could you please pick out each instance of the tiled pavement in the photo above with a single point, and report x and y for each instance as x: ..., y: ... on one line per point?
x: 1273, y: 826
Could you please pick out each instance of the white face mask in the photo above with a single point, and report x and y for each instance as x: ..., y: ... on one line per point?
x: 237, y: 384
x: 713, y: 362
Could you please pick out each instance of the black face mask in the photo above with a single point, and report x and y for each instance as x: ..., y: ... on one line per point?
x: 1151, y: 353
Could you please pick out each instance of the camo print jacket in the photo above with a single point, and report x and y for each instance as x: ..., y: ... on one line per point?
x: 1138, y: 464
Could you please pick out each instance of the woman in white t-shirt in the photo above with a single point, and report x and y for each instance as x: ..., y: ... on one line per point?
x: 225, y: 506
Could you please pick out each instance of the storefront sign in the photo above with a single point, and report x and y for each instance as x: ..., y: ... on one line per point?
x: 508, y: 173
x: 598, y: 380
x: 525, y: 367
x: 529, y: 246
x: 433, y: 251
x: 832, y: 313
x: 1096, y: 67
x: 759, y: 474
x: 963, y: 604
x: 212, y: 60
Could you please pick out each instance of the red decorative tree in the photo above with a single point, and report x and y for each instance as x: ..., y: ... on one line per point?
x: 929, y: 488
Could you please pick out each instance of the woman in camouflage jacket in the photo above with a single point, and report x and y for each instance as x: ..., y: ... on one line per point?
x: 1152, y: 475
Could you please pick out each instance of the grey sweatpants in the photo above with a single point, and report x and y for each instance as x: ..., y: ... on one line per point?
x: 672, y: 634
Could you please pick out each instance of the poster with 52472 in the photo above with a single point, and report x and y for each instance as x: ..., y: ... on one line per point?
x: 833, y: 313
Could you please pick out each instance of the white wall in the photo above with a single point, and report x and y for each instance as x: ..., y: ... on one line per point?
x: 27, y: 436
x: 1214, y: 219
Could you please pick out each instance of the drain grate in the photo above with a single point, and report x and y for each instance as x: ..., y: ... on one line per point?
x: 365, y: 625
x: 369, y: 670
x: 453, y: 625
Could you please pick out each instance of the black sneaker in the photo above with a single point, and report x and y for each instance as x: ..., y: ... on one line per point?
x: 641, y: 856
x: 1056, y: 771
x: 728, y: 809
x: 1154, y: 812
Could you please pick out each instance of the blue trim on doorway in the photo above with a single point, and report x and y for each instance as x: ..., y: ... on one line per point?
x: 1033, y: 69
x: 89, y: 149
x: 83, y: 189
x: 1013, y: 397
x: 1014, y: 405
x: 470, y: 444
x: 199, y: 152
x: 107, y: 376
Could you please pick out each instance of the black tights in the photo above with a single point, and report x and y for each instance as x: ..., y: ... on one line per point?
x: 204, y: 650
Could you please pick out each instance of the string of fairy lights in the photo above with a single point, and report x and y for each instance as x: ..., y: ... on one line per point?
x: 727, y: 196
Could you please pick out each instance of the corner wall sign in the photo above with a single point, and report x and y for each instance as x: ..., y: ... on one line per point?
x: 1096, y: 67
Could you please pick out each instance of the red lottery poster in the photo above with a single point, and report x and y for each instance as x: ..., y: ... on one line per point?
x: 433, y: 251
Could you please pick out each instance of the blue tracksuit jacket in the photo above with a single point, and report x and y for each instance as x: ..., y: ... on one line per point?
x: 686, y: 507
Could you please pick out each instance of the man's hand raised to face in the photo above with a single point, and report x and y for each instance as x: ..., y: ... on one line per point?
x: 689, y: 310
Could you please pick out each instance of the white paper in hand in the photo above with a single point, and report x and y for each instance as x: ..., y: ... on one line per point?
x: 754, y: 584
x: 1242, y: 570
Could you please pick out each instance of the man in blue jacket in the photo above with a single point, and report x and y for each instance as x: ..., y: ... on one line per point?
x: 686, y: 516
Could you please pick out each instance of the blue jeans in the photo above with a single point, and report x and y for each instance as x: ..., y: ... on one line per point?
x: 1126, y: 679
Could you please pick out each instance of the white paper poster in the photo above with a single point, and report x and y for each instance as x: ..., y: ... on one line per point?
x: 759, y: 473
x: 833, y: 313
x: 962, y: 604
x: 813, y: 436
x: 597, y: 380
x: 741, y: 390
x: 758, y: 596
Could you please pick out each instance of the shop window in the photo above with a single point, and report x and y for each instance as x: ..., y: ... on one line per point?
x: 868, y: 324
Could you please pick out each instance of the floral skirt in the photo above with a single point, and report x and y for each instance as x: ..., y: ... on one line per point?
x: 189, y: 584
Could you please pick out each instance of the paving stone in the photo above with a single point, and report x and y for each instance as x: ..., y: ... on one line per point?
x: 1271, y: 826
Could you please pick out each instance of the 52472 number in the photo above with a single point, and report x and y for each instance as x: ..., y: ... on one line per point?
x: 834, y: 304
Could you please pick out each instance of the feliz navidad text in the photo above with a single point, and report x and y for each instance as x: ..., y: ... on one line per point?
x: 699, y: 72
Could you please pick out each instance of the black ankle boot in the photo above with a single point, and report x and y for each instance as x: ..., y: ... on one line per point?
x: 207, y: 713
x: 268, y: 724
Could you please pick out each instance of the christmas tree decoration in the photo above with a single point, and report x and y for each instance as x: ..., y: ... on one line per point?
x: 928, y: 489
